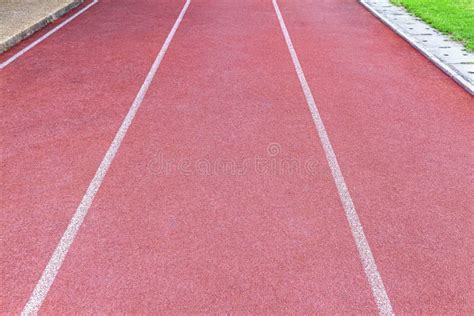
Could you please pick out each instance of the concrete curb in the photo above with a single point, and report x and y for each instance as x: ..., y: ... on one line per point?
x: 463, y: 82
x: 15, y: 39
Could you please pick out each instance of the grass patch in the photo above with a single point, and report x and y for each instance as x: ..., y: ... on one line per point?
x: 453, y: 17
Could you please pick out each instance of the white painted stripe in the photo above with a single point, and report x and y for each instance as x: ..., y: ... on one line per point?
x: 378, y: 289
x: 49, y: 274
x: 45, y: 36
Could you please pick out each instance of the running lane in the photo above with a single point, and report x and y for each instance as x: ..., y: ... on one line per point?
x: 402, y: 131
x: 220, y: 198
x: 61, y: 104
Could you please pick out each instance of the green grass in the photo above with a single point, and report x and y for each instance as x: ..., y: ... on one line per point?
x: 453, y: 17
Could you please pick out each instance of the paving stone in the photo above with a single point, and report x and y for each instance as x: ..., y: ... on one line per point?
x: 452, y: 56
x: 467, y: 67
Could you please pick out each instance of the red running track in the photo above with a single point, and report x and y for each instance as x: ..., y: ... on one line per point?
x: 220, y: 198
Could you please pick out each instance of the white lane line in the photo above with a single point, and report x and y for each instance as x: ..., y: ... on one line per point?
x: 45, y: 36
x: 375, y: 280
x: 49, y: 274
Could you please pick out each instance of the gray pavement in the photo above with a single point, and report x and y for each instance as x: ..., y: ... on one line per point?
x: 21, y: 18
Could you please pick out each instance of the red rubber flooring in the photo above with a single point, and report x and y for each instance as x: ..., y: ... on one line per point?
x: 220, y: 198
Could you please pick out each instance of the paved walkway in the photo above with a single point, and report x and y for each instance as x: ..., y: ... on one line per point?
x: 233, y: 157
x: 19, y: 19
